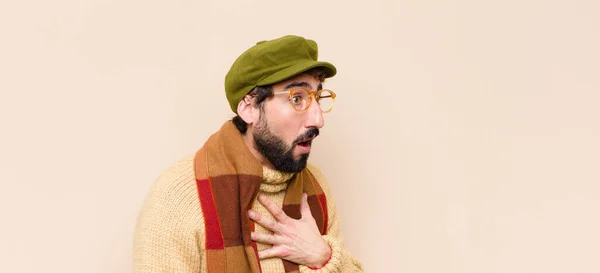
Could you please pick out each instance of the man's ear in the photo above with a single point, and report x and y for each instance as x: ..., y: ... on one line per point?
x: 245, y: 110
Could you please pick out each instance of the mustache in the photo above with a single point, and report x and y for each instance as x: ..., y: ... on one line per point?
x: 311, y: 133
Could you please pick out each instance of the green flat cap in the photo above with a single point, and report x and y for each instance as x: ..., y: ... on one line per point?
x: 269, y: 62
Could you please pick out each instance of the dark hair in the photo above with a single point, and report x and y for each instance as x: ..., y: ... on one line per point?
x: 261, y: 93
x: 264, y: 92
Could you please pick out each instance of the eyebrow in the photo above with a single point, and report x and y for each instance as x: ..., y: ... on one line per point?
x: 302, y: 84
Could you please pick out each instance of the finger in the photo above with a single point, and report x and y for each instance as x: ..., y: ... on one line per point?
x: 264, y: 238
x: 263, y: 221
x: 304, y: 207
x: 276, y: 211
x: 270, y: 253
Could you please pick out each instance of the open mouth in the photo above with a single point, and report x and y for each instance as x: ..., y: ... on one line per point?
x: 305, y: 143
x: 306, y: 140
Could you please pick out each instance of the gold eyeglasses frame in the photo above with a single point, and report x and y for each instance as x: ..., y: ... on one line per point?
x: 311, y: 94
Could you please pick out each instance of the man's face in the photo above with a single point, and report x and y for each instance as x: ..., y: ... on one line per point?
x: 284, y: 135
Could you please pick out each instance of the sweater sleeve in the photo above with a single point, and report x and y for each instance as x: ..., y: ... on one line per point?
x: 341, y: 261
x: 167, y: 233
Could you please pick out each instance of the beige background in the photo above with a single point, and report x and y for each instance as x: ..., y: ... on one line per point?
x: 465, y: 136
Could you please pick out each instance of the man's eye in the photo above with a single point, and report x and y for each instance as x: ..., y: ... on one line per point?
x: 297, y: 99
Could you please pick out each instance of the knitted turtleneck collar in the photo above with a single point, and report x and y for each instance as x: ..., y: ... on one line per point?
x: 274, y: 181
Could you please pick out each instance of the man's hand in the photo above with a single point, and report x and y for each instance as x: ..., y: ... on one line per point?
x: 297, y: 241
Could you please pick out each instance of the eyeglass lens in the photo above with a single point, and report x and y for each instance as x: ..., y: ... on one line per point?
x: 300, y: 99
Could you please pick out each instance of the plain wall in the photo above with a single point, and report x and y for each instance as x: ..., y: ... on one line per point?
x: 465, y: 136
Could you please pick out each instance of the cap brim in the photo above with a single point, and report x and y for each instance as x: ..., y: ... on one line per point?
x: 297, y: 69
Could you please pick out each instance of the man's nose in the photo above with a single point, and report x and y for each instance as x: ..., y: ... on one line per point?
x: 314, y: 116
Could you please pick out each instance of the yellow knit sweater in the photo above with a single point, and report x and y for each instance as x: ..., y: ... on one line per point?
x: 169, y: 235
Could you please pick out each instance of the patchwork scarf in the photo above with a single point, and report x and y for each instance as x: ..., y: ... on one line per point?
x: 228, y: 177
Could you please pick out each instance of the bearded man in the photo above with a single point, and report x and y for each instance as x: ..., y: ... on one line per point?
x: 248, y: 200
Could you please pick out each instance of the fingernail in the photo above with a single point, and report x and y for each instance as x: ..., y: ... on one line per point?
x: 251, y: 214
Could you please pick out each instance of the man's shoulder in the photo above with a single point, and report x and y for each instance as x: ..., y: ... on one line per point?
x: 315, y: 171
x: 178, y: 175
x: 172, y: 202
x: 319, y: 176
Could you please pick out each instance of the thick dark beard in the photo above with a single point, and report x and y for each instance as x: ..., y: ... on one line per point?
x: 275, y: 149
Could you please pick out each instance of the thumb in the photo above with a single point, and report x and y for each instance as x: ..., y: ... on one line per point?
x: 304, y: 208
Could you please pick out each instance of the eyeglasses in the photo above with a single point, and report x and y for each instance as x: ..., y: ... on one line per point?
x: 301, y: 98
